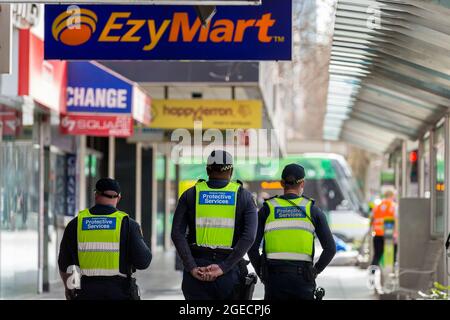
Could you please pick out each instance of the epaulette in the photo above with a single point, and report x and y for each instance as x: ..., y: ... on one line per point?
x: 270, y: 198
x: 200, y: 180
x: 240, y: 182
x: 310, y: 199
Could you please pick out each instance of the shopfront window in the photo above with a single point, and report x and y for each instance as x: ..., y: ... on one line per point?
x: 19, y: 205
x: 57, y: 207
x: 439, y: 181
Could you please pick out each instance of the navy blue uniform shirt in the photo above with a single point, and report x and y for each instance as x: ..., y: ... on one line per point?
x: 183, y: 227
x: 322, y: 231
x: 139, y: 253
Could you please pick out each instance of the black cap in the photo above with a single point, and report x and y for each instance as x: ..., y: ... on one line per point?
x: 107, y: 184
x: 293, y: 173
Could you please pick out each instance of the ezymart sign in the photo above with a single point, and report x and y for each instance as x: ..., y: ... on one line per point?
x: 127, y: 32
x: 154, y: 2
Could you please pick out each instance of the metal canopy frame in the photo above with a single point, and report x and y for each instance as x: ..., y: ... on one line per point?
x: 389, y: 71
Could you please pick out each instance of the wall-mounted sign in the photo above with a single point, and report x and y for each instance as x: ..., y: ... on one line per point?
x: 96, y: 90
x: 93, y: 89
x: 44, y: 81
x: 112, y: 32
x: 10, y: 120
x: 99, y: 125
x: 217, y: 114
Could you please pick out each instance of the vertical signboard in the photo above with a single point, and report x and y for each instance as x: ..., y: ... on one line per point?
x: 71, y: 189
x: 5, y: 38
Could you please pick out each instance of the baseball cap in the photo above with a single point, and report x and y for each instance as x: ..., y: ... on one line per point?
x: 293, y: 172
x: 107, y: 184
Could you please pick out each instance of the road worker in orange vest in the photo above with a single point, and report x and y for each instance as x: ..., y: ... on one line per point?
x: 386, y: 210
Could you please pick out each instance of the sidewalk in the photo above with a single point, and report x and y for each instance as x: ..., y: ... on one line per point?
x: 162, y: 282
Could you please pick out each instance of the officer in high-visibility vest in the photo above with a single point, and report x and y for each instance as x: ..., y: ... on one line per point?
x: 386, y: 210
x: 288, y: 225
x: 104, y: 246
x: 213, y: 227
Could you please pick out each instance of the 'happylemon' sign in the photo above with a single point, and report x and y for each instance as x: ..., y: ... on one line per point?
x: 217, y: 114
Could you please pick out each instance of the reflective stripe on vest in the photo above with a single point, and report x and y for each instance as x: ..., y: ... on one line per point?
x: 98, y: 246
x: 99, y: 243
x: 289, y: 233
x: 289, y: 256
x: 215, y: 211
x: 101, y: 272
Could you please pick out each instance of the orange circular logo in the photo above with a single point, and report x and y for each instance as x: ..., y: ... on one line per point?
x: 74, y: 27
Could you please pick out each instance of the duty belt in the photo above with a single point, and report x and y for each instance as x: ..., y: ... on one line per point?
x: 288, y: 269
x: 210, y: 254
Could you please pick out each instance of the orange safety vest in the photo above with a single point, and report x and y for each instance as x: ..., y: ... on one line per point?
x: 386, y: 209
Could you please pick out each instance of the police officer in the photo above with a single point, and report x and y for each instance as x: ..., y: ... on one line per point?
x: 106, y: 246
x: 213, y: 228
x: 288, y: 224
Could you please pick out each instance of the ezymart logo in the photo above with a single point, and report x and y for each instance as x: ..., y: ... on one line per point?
x: 76, y: 26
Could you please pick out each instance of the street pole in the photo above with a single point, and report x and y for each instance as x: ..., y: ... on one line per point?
x: 111, y: 157
x: 139, y: 182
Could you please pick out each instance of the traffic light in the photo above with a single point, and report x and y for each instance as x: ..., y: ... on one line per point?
x: 413, y: 159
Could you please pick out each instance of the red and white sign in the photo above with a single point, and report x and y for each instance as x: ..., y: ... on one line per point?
x: 43, y: 80
x: 10, y: 121
x: 96, y: 125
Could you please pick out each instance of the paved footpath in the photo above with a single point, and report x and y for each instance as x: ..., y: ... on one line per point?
x: 162, y: 282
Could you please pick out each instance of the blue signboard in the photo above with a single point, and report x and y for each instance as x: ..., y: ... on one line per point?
x: 135, y: 32
x: 94, y: 90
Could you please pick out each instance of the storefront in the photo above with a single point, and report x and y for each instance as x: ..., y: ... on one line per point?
x: 33, y: 163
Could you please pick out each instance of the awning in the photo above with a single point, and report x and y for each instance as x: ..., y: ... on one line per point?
x: 389, y: 71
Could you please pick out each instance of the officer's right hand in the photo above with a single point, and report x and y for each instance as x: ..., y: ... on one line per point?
x: 213, y: 271
x: 197, y: 273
